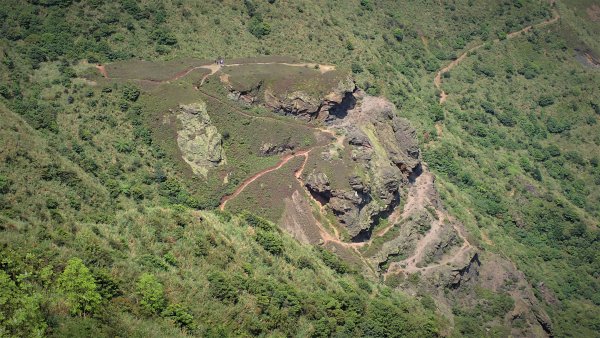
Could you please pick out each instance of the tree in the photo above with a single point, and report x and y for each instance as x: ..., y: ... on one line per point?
x: 258, y: 27
x: 180, y: 315
x: 79, y: 287
x: 270, y: 241
x: 152, y: 294
x: 20, y: 313
x: 131, y: 93
x: 546, y: 100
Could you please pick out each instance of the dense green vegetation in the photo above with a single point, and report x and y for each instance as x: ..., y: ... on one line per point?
x: 100, y: 227
x: 78, y: 258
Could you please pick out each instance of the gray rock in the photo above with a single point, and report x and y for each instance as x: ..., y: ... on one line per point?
x: 199, y: 141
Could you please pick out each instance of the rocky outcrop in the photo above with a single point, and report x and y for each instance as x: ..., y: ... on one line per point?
x: 199, y: 141
x: 301, y: 104
x: 384, y: 148
x: 270, y: 149
x: 465, y: 275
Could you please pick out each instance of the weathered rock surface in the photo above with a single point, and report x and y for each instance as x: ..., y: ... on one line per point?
x: 383, y: 147
x: 270, y: 149
x: 199, y: 141
x: 298, y: 103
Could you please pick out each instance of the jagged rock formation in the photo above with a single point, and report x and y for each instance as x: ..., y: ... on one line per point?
x: 385, y: 152
x: 360, y: 180
x: 199, y: 141
x: 270, y: 149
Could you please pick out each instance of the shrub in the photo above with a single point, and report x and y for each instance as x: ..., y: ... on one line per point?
x: 78, y: 286
x: 4, y: 184
x: 258, y: 222
x: 270, y: 241
x: 399, y: 34
x: 152, y: 294
x: 163, y: 37
x: 437, y: 113
x: 131, y: 93
x: 546, y: 100
x: 556, y: 126
x: 366, y: 4
x: 20, y: 312
x: 259, y: 28
x: 221, y: 287
x: 334, y: 262
x: 180, y: 315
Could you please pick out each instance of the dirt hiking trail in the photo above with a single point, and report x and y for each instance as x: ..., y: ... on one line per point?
x: 417, y: 198
x: 437, y: 81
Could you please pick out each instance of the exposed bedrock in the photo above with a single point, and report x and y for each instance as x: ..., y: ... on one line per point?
x: 383, y: 152
x: 198, y: 139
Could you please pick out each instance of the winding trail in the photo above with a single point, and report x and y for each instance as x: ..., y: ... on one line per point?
x: 214, y: 68
x: 417, y: 198
x: 261, y: 173
x: 437, y: 81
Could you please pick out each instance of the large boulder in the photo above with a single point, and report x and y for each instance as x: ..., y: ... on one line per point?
x: 199, y: 141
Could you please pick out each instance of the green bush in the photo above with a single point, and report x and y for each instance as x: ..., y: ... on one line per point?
x: 270, y: 241
x: 131, y: 93
x: 79, y: 287
x: 151, y: 293
x: 221, y: 287
x: 20, y: 308
x: 545, y: 100
x: 180, y: 315
x: 333, y: 261
x: 259, y: 28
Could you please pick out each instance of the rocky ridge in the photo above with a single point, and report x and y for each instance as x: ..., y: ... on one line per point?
x: 387, y: 175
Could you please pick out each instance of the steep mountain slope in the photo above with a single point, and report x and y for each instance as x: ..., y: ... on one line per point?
x: 164, y: 271
x: 445, y: 151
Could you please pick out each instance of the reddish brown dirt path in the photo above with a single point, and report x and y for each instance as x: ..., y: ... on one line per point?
x: 102, y: 70
x: 437, y: 81
x: 214, y: 68
x: 261, y: 173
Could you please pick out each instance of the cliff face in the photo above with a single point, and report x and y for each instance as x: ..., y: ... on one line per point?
x: 373, y: 190
x: 383, y: 152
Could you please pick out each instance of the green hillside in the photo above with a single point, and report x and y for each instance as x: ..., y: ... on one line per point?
x: 110, y: 220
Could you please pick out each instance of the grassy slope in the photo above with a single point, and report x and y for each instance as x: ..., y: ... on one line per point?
x: 529, y: 173
x: 244, y: 284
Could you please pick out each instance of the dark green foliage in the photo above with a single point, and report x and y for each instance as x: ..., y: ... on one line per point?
x: 163, y: 37
x: 103, y: 175
x: 221, y: 287
x: 383, y: 319
x: 270, y: 241
x: 557, y: 126
x: 529, y: 71
x: 357, y: 68
x: 180, y: 315
x: 258, y: 222
x: 131, y: 93
x: 258, y: 28
x: 545, y: 100
x: 334, y: 262
x: 437, y: 113
x: 366, y: 4
x: 399, y: 34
